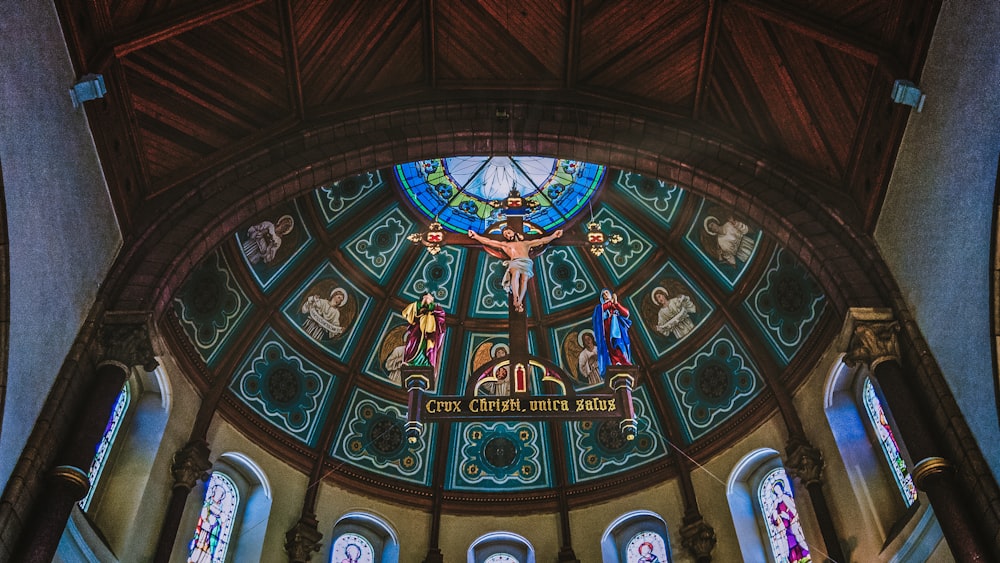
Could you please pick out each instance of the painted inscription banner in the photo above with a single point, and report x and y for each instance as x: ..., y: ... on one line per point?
x: 521, y: 408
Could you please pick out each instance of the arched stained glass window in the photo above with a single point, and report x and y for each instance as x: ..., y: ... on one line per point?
x: 788, y: 543
x: 457, y: 191
x: 352, y: 548
x: 216, y: 520
x: 501, y: 558
x: 646, y: 547
x: 888, y: 442
x: 104, y: 446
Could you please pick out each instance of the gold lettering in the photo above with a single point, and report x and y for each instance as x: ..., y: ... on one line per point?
x: 562, y: 405
x: 611, y: 405
x: 431, y: 406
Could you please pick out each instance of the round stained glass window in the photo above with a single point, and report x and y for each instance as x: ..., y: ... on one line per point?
x: 352, y: 548
x: 646, y: 547
x: 461, y: 192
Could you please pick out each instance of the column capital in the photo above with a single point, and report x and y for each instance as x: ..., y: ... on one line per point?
x: 873, y: 343
x: 190, y: 464
x: 75, y: 478
x: 303, y: 539
x: 698, y: 537
x: 804, y: 461
x: 566, y: 555
x: 124, y: 340
x: 927, y: 467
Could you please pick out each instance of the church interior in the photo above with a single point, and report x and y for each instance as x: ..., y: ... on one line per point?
x: 256, y: 258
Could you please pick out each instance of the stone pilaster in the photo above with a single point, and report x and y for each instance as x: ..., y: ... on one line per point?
x: 698, y: 537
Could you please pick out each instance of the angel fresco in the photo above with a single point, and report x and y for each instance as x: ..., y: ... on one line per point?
x: 391, y: 353
x: 328, y: 309
x: 580, y: 354
x: 669, y: 309
x: 264, y: 239
x: 725, y: 236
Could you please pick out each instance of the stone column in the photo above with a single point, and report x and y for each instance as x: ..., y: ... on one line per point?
x: 805, y: 463
x: 189, y: 465
x: 303, y: 539
x: 122, y: 345
x: 876, y: 344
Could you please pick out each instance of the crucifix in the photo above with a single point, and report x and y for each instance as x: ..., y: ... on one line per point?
x: 508, y: 240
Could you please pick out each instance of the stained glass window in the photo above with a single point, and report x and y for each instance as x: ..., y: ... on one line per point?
x: 352, y: 548
x: 104, y: 446
x: 457, y: 192
x: 646, y: 547
x: 501, y: 558
x: 788, y: 543
x: 215, y: 522
x: 888, y: 442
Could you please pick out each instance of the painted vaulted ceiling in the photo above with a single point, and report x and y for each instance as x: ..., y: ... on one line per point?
x: 719, y: 309
x: 228, y: 119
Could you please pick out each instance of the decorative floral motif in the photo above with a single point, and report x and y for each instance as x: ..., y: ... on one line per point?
x: 599, y: 448
x: 500, y: 456
x: 659, y: 198
x: 712, y: 384
x: 489, y: 298
x: 562, y: 279
x: 438, y: 274
x: 621, y: 259
x: 787, y: 304
x: 336, y: 200
x: 284, y: 388
x: 379, y: 245
x: 210, y: 306
x: 372, y: 437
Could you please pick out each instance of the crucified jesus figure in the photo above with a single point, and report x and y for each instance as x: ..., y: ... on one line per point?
x: 519, y: 265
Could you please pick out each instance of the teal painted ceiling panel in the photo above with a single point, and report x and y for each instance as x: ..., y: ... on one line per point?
x: 380, y: 244
x: 659, y: 199
x: 211, y: 307
x: 283, y: 388
x: 329, y: 310
x: 371, y: 436
x: 667, y: 309
x: 713, y: 384
x: 786, y: 305
x: 338, y: 201
x: 723, y: 241
x: 273, y: 242
x: 499, y: 457
x: 597, y: 449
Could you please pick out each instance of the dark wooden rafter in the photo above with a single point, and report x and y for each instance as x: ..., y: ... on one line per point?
x: 707, y: 54
x: 289, y: 48
x: 430, y: 44
x: 823, y: 31
x: 167, y: 27
x: 573, y: 43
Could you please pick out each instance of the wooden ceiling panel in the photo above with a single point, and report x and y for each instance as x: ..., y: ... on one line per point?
x: 124, y: 13
x: 811, y: 94
x: 352, y: 49
x: 522, y: 45
x: 872, y: 18
x: 643, y: 51
x: 207, y: 88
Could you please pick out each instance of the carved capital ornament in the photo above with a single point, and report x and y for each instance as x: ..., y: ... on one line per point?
x: 804, y: 461
x: 126, y: 343
x: 874, y: 343
x: 303, y: 540
x: 190, y: 464
x: 698, y: 538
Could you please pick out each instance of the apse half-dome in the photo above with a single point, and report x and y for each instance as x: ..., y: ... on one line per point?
x: 299, y: 314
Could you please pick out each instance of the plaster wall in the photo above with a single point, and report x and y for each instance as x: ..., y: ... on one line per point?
x: 62, y: 230
x: 934, y: 231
